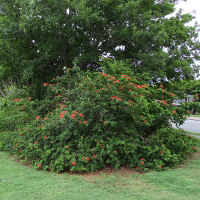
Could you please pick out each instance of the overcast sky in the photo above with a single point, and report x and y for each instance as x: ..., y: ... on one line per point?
x: 192, y: 7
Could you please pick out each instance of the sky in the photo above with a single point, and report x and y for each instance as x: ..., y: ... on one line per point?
x: 192, y: 7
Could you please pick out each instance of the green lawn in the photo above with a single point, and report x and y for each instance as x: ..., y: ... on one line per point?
x: 18, y: 182
x: 196, y: 115
x: 191, y: 133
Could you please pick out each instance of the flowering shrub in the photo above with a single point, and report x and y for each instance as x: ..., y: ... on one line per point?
x: 94, y: 119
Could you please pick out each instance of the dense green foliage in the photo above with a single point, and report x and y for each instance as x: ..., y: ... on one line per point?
x: 39, y: 38
x: 92, y: 119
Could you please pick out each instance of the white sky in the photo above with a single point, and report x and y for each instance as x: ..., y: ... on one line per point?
x: 192, y: 7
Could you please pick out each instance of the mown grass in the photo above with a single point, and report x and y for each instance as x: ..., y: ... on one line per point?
x: 196, y: 115
x: 191, y: 133
x: 19, y: 182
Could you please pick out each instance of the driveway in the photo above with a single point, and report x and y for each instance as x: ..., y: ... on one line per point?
x: 192, y: 124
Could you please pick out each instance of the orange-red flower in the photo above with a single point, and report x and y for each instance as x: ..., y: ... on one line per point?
x: 94, y: 156
x: 116, y: 98
x: 74, y: 163
x: 61, y: 115
x: 45, y: 137
x: 38, y: 117
x: 73, y: 116
x: 174, y: 111
x: 87, y: 158
x: 17, y: 100
x: 81, y: 114
x: 39, y: 165
x: 85, y: 122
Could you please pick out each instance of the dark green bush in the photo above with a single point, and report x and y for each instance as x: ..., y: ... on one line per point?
x: 94, y: 119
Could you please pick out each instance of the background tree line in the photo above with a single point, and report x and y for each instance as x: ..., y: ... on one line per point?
x: 38, y: 38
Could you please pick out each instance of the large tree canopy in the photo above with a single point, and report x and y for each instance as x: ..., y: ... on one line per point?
x: 38, y: 38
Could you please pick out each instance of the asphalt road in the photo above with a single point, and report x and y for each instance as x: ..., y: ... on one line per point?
x: 190, y: 125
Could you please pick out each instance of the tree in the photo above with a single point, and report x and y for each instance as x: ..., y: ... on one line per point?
x: 38, y: 38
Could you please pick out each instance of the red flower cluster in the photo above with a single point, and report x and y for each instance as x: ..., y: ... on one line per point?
x: 17, y: 100
x: 104, y: 74
x: 112, y: 77
x: 61, y: 115
x: 140, y: 86
x: 116, y: 97
x: 39, y: 165
x: 117, y: 81
x: 87, y: 158
x: 74, y: 163
x: 73, y: 116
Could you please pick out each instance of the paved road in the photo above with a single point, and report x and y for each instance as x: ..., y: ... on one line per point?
x: 192, y: 125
